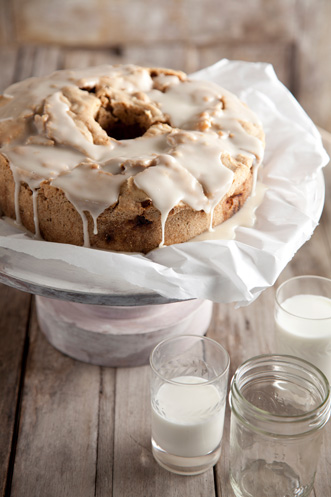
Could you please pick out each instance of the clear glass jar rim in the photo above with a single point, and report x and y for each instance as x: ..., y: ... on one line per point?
x: 198, y: 337
x: 308, y: 276
x: 319, y: 410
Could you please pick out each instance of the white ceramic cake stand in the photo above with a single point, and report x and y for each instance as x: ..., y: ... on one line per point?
x: 86, y: 320
x: 118, y: 335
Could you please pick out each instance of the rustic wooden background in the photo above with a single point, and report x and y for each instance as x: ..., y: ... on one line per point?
x: 293, y: 35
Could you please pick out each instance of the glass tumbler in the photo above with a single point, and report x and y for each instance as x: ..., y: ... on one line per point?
x: 279, y: 406
x: 188, y: 396
x: 303, y: 320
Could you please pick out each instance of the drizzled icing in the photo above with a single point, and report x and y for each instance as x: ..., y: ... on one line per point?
x: 181, y: 163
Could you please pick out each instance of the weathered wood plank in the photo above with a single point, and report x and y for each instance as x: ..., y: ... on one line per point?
x: 79, y: 58
x: 25, y: 62
x: 95, y: 23
x: 14, y: 316
x: 322, y: 486
x: 106, y: 426
x: 277, y: 53
x: 136, y: 474
x: 35, y: 60
x: 8, y: 57
x: 175, y: 56
x: 7, y: 34
x: 314, y: 60
x: 46, y: 60
x: 58, y: 436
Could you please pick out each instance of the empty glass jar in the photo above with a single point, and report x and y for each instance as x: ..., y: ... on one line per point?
x: 279, y: 406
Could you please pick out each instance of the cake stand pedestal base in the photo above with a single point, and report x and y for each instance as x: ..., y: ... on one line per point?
x: 118, y: 336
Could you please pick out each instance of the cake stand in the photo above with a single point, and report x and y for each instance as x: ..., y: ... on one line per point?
x: 87, y: 317
x: 88, y: 320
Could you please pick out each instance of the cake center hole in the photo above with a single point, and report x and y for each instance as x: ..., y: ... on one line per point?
x: 123, y: 124
x: 125, y: 131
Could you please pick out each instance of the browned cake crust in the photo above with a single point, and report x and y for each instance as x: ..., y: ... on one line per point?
x: 132, y: 223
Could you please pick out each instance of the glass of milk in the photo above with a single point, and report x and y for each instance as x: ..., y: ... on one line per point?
x: 189, y: 377
x: 303, y: 320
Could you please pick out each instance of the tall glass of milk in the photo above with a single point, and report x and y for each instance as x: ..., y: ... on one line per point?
x: 303, y: 320
x: 189, y: 377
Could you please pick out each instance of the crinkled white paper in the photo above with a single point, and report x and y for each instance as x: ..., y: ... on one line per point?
x: 226, y: 270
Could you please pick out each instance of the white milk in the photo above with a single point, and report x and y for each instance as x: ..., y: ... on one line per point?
x: 305, y: 330
x: 187, y: 419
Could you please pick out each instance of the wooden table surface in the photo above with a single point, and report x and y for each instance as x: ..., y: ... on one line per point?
x: 72, y: 429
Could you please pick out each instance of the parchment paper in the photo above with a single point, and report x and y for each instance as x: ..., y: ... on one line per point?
x: 226, y: 270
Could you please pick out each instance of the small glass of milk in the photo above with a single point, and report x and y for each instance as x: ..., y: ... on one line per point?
x: 189, y: 377
x: 303, y: 320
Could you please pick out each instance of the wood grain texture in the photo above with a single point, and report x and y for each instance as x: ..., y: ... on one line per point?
x: 8, y: 58
x: 106, y: 427
x: 14, y: 317
x: 279, y: 54
x: 135, y: 471
x: 58, y: 437
x: 313, y: 71
x: 7, y: 33
x: 175, y: 56
x: 97, y: 23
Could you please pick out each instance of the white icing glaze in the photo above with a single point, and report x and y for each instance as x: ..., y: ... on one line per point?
x: 182, y: 165
x: 168, y: 176
x: 245, y: 217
